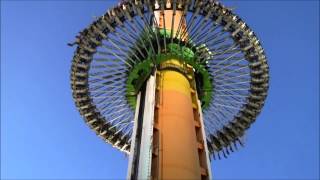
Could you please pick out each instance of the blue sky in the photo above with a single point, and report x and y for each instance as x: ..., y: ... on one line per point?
x: 44, y: 137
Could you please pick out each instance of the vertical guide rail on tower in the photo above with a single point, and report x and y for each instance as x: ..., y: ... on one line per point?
x: 141, y: 146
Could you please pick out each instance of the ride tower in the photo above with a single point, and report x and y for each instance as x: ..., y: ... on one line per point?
x: 171, y: 83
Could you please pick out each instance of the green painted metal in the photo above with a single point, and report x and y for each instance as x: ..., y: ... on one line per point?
x: 141, y: 71
x: 136, y: 78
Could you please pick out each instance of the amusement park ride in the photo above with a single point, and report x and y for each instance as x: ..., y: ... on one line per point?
x: 172, y: 83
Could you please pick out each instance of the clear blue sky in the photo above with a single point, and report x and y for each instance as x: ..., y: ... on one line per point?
x: 43, y: 135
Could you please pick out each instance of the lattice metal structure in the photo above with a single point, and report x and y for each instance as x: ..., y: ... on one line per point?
x: 118, y: 51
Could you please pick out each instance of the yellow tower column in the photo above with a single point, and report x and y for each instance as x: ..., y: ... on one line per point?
x: 178, y: 143
x: 175, y: 142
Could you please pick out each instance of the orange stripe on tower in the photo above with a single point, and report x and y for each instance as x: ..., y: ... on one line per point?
x: 178, y: 144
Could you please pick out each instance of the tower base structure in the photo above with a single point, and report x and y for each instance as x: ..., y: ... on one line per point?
x: 169, y: 138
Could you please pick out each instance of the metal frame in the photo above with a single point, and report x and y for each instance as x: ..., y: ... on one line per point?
x: 143, y: 166
x: 112, y: 44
